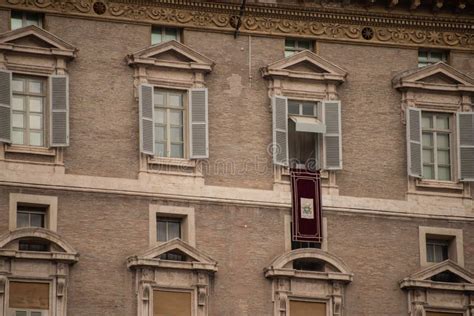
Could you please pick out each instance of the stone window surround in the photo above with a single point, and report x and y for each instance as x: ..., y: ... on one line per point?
x: 186, y: 214
x: 42, y: 200
x: 283, y: 290
x: 304, y: 86
x: 456, y: 247
x: 60, y: 54
x: 13, y: 262
x: 410, y: 83
x: 154, y: 71
x: 287, y: 231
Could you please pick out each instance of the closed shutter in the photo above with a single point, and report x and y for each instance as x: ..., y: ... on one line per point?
x: 59, y: 124
x: 466, y: 145
x: 147, y: 125
x: 414, y: 146
x: 332, y: 142
x: 280, y: 130
x: 5, y: 106
x: 198, y: 130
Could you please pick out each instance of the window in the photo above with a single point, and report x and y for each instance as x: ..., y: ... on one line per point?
x: 303, y: 308
x: 428, y: 57
x: 171, y: 303
x: 167, y: 228
x: 21, y: 19
x: 437, y: 250
x: 33, y: 245
x: 169, y: 124
x: 436, y: 141
x: 293, y: 46
x: 28, y: 111
x: 303, y: 146
x: 29, y: 298
x: 438, y: 244
x: 30, y: 216
x: 161, y: 34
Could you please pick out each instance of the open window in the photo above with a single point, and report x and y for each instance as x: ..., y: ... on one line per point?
x: 442, y: 289
x: 184, y: 294
x: 34, y: 105
x: 173, y: 107
x: 306, y: 115
x: 33, y: 283
x: 440, y: 123
x: 308, y: 280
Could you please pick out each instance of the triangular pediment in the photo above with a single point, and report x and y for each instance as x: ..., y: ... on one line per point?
x: 305, y: 65
x: 439, y: 76
x: 446, y: 272
x: 171, y: 54
x: 35, y: 37
x: 191, y: 257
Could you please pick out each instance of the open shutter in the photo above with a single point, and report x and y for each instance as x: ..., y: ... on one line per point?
x: 146, y: 112
x: 59, y: 114
x: 414, y: 146
x: 280, y: 130
x: 332, y: 141
x: 5, y: 106
x: 198, y: 130
x: 465, y: 122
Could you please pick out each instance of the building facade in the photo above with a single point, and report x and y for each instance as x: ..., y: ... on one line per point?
x: 145, y: 148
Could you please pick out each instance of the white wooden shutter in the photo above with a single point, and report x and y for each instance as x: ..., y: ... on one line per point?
x: 414, y: 146
x: 59, y: 111
x: 5, y: 106
x: 465, y: 122
x: 280, y: 130
x: 146, y: 113
x: 332, y: 141
x: 198, y: 123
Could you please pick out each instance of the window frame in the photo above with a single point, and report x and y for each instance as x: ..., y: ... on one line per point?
x: 452, y: 136
x: 185, y: 123
x: 291, y: 50
x: 23, y: 19
x: 184, y: 214
x: 452, y: 235
x: 435, y: 243
x: 45, y: 312
x: 26, y: 95
x: 429, y: 59
x: 50, y: 203
x: 168, y: 220
x: 163, y: 33
x: 29, y: 210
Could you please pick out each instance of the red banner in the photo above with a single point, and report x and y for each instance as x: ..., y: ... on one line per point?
x: 306, y: 202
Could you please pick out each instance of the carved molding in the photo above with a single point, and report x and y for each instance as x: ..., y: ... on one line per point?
x: 318, y: 22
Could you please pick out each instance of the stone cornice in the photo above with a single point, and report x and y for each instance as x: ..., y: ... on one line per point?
x: 335, y: 24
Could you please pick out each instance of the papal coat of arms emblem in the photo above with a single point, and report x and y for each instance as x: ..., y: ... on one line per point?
x: 307, y: 208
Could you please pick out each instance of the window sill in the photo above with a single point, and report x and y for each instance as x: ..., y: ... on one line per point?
x: 176, y: 162
x: 436, y: 184
x: 30, y: 150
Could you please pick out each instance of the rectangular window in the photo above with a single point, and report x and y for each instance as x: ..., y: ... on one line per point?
x: 302, y: 146
x: 171, y: 303
x: 29, y: 296
x: 293, y: 46
x: 437, y: 250
x: 304, y: 308
x: 169, y: 123
x: 32, y: 245
x: 167, y: 228
x: 28, y: 111
x: 21, y: 19
x: 436, y: 141
x: 30, y: 216
x: 161, y: 34
x: 428, y: 57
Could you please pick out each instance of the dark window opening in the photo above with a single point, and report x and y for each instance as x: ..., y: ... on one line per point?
x: 167, y: 228
x: 31, y: 216
x: 33, y: 245
x: 173, y: 255
x: 437, y: 250
x: 308, y: 265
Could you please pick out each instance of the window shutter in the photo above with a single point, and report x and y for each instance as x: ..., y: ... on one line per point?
x: 146, y: 113
x: 466, y: 145
x: 414, y: 146
x: 199, y: 134
x: 59, y: 114
x: 280, y: 130
x: 332, y: 142
x: 5, y: 106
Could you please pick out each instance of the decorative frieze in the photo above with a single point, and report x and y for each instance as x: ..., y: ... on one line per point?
x: 322, y: 22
